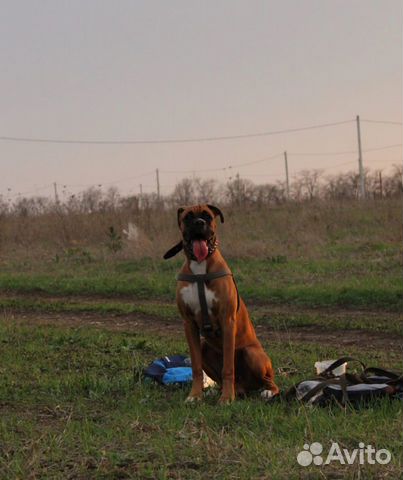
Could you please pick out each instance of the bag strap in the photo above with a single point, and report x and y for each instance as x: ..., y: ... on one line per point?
x: 337, y: 363
x: 342, y: 381
x: 380, y: 372
x: 327, y: 378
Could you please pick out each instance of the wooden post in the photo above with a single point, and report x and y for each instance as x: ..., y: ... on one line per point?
x: 360, y: 166
x: 141, y: 195
x: 158, y: 183
x: 56, y: 195
x: 380, y: 184
x: 286, y: 175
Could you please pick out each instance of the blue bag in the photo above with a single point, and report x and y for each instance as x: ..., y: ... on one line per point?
x: 175, y: 369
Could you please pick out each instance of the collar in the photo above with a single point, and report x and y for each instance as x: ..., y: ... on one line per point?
x: 212, y: 245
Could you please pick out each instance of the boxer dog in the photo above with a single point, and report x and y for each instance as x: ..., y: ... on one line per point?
x: 208, y: 301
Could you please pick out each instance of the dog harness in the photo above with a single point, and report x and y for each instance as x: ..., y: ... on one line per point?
x: 202, y: 279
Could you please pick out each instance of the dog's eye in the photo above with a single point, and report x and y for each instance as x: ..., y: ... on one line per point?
x: 189, y: 217
x: 206, y: 216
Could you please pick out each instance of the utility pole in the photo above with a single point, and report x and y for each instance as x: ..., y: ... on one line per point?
x: 141, y: 195
x: 380, y: 184
x: 56, y: 195
x: 238, y: 189
x: 286, y: 175
x: 158, y: 183
x: 360, y: 167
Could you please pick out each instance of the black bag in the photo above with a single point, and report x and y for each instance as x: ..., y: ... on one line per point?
x: 348, y: 388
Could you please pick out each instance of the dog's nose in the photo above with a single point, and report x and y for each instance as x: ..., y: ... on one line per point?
x: 199, y: 222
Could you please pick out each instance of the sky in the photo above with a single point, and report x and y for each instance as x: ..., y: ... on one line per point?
x: 98, y: 70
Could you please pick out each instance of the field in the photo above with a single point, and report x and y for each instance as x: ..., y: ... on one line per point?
x: 79, y: 323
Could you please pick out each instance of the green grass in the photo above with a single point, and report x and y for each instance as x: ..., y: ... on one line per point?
x: 373, y: 283
x: 73, y: 401
x: 261, y: 315
x: 74, y: 405
x: 103, y: 307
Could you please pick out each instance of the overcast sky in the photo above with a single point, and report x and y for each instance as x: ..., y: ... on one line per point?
x: 144, y: 70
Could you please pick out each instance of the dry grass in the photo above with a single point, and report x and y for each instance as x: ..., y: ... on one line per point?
x: 291, y: 230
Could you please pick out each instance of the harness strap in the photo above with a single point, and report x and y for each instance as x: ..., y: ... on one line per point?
x: 201, y: 279
x: 381, y: 373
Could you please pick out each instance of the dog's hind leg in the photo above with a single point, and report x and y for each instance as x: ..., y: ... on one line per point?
x: 260, y: 370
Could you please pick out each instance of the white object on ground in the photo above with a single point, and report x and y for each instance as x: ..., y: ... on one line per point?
x: 207, y: 381
x: 266, y: 394
x: 132, y: 232
x: 322, y: 366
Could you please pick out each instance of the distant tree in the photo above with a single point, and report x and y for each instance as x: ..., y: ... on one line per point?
x: 309, y: 181
x: 240, y: 192
x: 4, y: 206
x: 184, y: 192
x: 206, y: 190
x: 34, y: 206
x: 91, y: 199
x: 270, y: 194
x: 392, y: 184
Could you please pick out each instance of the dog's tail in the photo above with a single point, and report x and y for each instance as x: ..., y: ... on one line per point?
x: 174, y: 250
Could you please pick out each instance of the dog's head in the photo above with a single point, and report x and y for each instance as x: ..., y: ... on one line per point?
x: 198, y: 227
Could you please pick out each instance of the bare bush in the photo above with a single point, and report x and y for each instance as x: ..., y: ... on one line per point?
x: 265, y: 221
x: 194, y: 190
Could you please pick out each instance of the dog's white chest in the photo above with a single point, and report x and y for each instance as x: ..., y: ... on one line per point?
x: 190, y: 294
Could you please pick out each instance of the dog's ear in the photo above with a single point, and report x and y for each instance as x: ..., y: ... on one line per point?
x: 180, y: 211
x: 216, y: 212
x: 173, y: 251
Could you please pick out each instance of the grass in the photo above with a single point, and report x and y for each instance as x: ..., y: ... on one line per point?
x: 73, y: 400
x: 102, y: 307
x: 315, y: 254
x: 74, y: 405
x: 324, y: 283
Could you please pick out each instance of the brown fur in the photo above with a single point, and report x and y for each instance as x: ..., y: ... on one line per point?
x: 236, y: 359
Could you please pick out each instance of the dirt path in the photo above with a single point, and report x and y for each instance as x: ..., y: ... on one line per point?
x: 154, y: 324
x: 252, y: 305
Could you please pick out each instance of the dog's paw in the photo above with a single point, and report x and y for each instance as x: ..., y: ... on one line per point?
x: 267, y: 395
x: 193, y: 399
x: 225, y: 400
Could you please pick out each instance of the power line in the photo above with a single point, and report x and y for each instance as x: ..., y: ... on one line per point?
x: 277, y: 155
x: 350, y: 162
x: 167, y: 141
x: 387, y: 122
x: 206, y: 139
x: 100, y: 184
x: 345, y: 152
x: 195, y: 170
x: 382, y: 148
x: 237, y: 165
x: 39, y: 189
x: 264, y: 175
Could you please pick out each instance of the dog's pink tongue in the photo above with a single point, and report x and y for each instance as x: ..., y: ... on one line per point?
x: 200, y: 250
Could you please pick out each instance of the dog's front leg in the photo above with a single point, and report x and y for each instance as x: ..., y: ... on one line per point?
x: 193, y: 339
x: 228, y: 371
